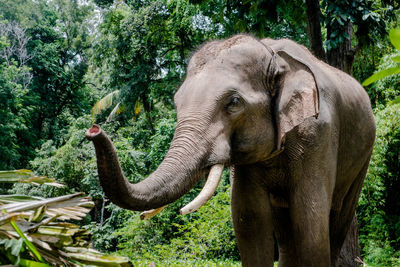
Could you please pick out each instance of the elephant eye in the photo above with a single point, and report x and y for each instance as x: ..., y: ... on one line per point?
x: 235, y: 104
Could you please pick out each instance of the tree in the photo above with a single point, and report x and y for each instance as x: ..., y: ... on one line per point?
x: 145, y: 47
x: 46, y: 43
x: 339, y: 18
x: 59, y: 43
x: 15, y: 77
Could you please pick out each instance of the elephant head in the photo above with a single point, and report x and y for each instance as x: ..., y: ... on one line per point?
x: 238, y: 101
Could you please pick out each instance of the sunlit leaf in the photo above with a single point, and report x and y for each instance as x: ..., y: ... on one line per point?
x: 38, y: 214
x: 103, y: 103
x: 396, y: 59
x: 138, y: 108
x: 29, y: 263
x: 14, y: 207
x: 94, y: 257
x: 30, y: 246
x: 7, y: 218
x: 118, y: 109
x: 381, y: 74
x: 394, y: 36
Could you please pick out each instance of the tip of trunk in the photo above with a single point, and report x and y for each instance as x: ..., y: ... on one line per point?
x: 94, y: 131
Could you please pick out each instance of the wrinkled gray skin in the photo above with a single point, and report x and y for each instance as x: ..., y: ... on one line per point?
x: 296, y: 133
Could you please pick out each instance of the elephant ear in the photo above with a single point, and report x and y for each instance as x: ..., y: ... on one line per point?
x: 296, y: 95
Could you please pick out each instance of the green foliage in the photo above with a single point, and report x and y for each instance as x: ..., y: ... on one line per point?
x: 192, y: 263
x: 12, y: 111
x: 263, y: 18
x: 59, y: 47
x: 205, y: 234
x: 387, y: 88
x: 379, y: 205
x: 42, y: 68
x: 146, y: 46
x: 367, y: 61
x: 365, y: 14
x: 74, y: 164
x: 68, y: 164
x: 394, y: 36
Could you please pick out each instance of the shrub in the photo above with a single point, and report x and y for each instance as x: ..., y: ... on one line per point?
x: 379, y: 205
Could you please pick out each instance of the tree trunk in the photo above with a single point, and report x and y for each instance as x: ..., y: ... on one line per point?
x: 342, y: 57
x: 314, y: 28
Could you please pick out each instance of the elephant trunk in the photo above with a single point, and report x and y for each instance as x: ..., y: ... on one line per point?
x: 177, y: 174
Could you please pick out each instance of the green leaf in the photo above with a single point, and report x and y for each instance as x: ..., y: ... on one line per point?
x: 29, y: 263
x: 394, y: 36
x: 12, y: 245
x: 396, y: 59
x: 30, y: 246
x: 395, y: 101
x: 380, y: 75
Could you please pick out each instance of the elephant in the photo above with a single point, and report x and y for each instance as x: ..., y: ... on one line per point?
x: 296, y: 133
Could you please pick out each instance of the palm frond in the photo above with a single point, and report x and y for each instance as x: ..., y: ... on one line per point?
x: 103, y: 103
x: 118, y: 109
x: 26, y: 176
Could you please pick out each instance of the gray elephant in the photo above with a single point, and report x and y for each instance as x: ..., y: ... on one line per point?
x: 296, y: 133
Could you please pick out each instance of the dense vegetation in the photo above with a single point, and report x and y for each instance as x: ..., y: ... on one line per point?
x: 58, y: 58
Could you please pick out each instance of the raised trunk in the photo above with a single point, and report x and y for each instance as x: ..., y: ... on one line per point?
x: 176, y: 175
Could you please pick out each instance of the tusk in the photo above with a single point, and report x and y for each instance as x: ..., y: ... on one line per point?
x: 208, y: 190
x: 150, y: 213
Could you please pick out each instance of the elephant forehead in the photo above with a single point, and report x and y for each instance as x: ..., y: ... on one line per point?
x: 206, y: 86
x: 247, y: 55
x: 240, y: 50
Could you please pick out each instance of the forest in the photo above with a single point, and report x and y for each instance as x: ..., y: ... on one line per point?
x: 67, y: 64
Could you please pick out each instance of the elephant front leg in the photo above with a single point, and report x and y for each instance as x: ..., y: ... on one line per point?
x: 310, y: 222
x: 309, y: 209
x: 251, y: 214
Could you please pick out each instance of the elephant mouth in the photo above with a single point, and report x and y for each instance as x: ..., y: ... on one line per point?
x: 214, y: 177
